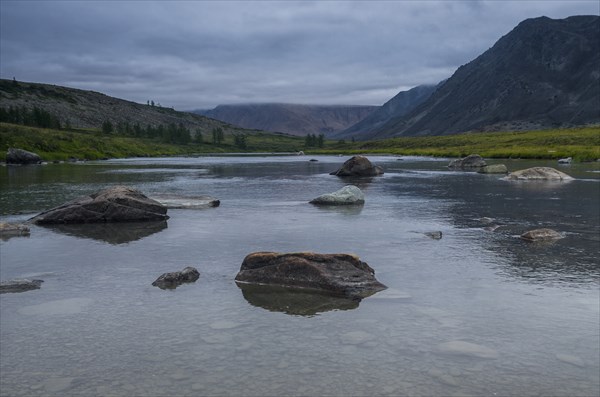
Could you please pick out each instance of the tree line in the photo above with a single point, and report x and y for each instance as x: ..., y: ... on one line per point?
x: 35, y: 117
x: 313, y: 140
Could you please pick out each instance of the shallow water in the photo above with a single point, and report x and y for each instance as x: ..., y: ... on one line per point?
x: 479, y: 312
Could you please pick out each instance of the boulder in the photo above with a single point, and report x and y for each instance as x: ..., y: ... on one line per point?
x: 20, y: 156
x: 539, y: 174
x: 175, y: 279
x: 541, y: 235
x: 493, y: 169
x: 471, y: 162
x: 19, y: 285
x: 8, y: 230
x: 336, y: 274
x: 114, y: 204
x: 348, y: 195
x: 358, y: 166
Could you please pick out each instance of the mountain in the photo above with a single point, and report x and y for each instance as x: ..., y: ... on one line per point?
x: 543, y: 74
x: 89, y: 109
x: 395, y: 108
x: 290, y: 118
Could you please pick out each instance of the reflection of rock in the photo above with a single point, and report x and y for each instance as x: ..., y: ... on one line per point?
x: 541, y: 235
x: 19, y: 285
x: 339, y: 274
x: 471, y: 162
x: 20, y: 156
x: 175, y: 279
x: 350, y: 210
x: 295, y: 301
x: 434, y: 235
x: 114, y: 204
x: 8, y: 230
x: 358, y: 166
x: 194, y: 202
x: 539, y: 174
x: 112, y: 233
x: 468, y: 349
x: 493, y: 169
x: 348, y: 195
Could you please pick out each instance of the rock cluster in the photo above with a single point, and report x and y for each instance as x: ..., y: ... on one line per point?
x: 358, y: 166
x: 114, y: 204
x: 338, y: 274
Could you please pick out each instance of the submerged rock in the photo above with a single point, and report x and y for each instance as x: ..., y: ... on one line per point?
x: 540, y: 174
x: 175, y: 279
x: 20, y: 156
x: 541, y: 235
x: 182, y: 202
x: 115, y: 204
x: 493, y: 169
x: 338, y: 274
x: 19, y: 285
x: 467, y: 349
x: 434, y: 235
x: 358, y: 166
x: 348, y: 195
x: 471, y: 162
x: 8, y: 230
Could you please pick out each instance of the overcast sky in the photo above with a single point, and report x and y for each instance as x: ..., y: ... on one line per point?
x: 198, y: 54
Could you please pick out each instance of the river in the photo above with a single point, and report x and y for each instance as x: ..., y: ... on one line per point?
x: 478, y: 312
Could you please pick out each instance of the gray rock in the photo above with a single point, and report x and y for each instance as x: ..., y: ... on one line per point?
x: 20, y: 156
x: 358, y: 166
x: 115, y: 204
x: 175, y: 279
x: 566, y: 160
x: 494, y: 169
x: 540, y: 174
x: 338, y: 274
x: 541, y: 235
x: 434, y: 235
x: 19, y: 285
x: 471, y: 162
x: 181, y: 202
x: 348, y: 195
x: 8, y: 230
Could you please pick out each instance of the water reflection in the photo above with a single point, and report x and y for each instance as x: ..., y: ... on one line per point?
x: 341, y: 209
x: 294, y: 301
x: 112, y: 233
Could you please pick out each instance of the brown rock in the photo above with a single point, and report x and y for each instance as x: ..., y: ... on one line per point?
x: 541, y: 235
x: 358, y: 166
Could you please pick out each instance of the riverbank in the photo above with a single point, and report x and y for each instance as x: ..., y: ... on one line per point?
x: 582, y: 144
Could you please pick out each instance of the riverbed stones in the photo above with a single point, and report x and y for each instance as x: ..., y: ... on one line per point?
x: 493, y: 169
x: 175, y: 279
x: 539, y: 174
x: 348, y: 195
x: 472, y: 162
x: 358, y: 166
x: 462, y: 348
x: 8, y: 230
x: 338, y: 274
x: 114, y: 204
x: 19, y: 285
x: 20, y: 156
x: 543, y: 234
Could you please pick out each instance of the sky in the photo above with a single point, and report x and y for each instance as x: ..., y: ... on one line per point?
x: 199, y: 54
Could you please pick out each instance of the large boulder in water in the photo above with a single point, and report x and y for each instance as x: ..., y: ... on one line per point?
x: 358, y: 166
x: 539, y: 174
x: 338, y: 274
x: 20, y: 156
x: 472, y: 162
x: 114, y: 204
x: 348, y: 195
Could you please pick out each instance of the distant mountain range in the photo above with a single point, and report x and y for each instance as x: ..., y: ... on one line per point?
x: 89, y: 109
x: 291, y: 118
x: 544, y: 73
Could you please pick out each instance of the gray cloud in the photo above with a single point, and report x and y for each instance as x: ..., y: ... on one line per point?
x: 202, y: 53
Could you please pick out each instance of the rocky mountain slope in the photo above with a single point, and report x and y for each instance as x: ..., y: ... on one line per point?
x: 89, y: 109
x: 394, y: 109
x: 290, y: 118
x: 545, y: 73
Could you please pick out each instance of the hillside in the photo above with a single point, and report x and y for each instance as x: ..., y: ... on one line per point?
x: 543, y: 74
x: 89, y: 109
x: 395, y: 108
x: 290, y: 118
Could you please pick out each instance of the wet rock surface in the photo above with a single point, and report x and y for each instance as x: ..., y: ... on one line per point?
x: 338, y: 274
x: 493, y: 169
x: 19, y: 285
x: 175, y: 279
x: 181, y: 202
x: 9, y: 230
x: 543, y: 234
x: 539, y: 174
x: 358, y: 166
x: 114, y: 204
x: 348, y: 195
x: 20, y: 156
x: 472, y: 162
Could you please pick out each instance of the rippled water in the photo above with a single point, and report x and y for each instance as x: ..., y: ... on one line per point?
x: 479, y: 312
